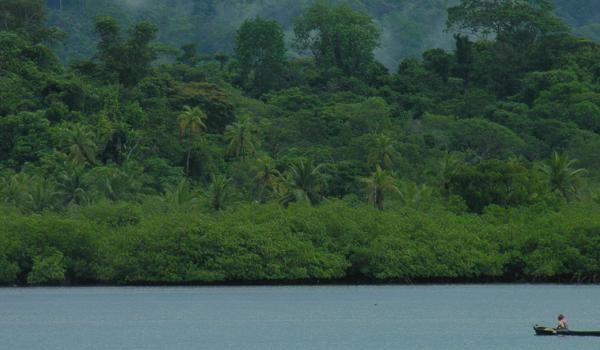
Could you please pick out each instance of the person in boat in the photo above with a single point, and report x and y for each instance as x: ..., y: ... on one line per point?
x: 562, y: 322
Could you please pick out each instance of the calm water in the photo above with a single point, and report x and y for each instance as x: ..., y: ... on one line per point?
x: 370, y: 317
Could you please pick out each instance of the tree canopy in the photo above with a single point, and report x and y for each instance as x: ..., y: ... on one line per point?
x: 260, y: 50
x: 338, y: 37
x: 507, y: 20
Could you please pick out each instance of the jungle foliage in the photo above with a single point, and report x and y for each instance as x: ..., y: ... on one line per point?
x: 302, y: 159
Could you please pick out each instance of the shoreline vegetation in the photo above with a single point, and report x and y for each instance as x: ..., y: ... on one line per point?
x: 126, y: 245
x: 152, y: 165
x: 321, y: 283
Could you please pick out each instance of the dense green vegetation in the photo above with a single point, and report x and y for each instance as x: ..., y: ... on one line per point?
x: 146, y: 164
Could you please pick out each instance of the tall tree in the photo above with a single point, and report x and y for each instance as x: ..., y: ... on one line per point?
x: 191, y: 123
x: 463, y: 57
x: 110, y: 46
x: 337, y: 36
x: 383, y: 154
x: 127, y: 61
x: 260, y: 51
x: 242, y: 139
x: 378, y: 184
x: 140, y: 53
x: 266, y: 176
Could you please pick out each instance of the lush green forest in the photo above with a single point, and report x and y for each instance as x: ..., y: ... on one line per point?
x: 297, y: 155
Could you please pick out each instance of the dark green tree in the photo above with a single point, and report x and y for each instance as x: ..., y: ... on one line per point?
x: 125, y: 61
x: 439, y: 62
x: 24, y: 137
x: 139, y: 53
x: 464, y: 57
x: 503, y: 183
x: 260, y: 51
x: 110, y: 47
x: 484, y: 139
x: 338, y: 37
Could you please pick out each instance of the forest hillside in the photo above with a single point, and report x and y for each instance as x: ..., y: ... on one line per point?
x: 287, y: 151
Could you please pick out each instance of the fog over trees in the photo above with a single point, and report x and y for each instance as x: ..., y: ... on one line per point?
x: 409, y: 27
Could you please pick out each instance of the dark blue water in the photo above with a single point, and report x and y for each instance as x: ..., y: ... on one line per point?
x: 370, y: 317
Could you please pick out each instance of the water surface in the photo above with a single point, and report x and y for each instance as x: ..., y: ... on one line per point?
x: 339, y: 317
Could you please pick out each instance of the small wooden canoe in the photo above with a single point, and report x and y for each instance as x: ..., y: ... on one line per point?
x: 543, y: 330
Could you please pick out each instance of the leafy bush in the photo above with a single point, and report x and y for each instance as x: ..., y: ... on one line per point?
x: 47, y: 269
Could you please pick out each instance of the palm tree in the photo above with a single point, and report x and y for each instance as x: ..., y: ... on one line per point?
x: 266, y: 176
x: 13, y: 188
x: 32, y: 194
x: 303, y: 182
x: 449, y: 167
x: 383, y: 153
x: 191, y: 122
x: 378, y: 184
x: 79, y: 142
x: 41, y: 195
x: 596, y: 197
x: 242, y: 139
x: 72, y: 187
x: 219, y: 191
x: 414, y: 195
x: 180, y: 195
x: 116, y: 183
x: 562, y: 177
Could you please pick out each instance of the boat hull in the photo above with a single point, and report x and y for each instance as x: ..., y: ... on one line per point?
x: 547, y: 331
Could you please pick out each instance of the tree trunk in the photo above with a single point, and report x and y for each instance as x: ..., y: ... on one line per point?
x: 187, y: 163
x: 379, y: 201
x: 260, y: 188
